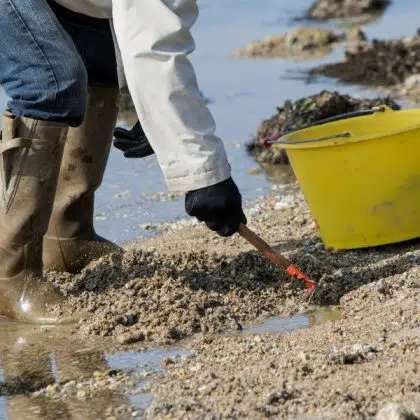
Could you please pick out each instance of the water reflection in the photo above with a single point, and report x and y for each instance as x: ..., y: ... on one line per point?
x: 281, y: 325
x: 34, y: 357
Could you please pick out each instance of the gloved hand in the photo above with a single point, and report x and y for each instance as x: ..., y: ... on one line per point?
x: 132, y: 142
x: 219, y: 206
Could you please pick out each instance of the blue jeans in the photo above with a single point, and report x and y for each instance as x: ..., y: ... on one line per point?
x: 48, y: 56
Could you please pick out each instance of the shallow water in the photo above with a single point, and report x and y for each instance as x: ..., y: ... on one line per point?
x: 242, y: 92
x: 51, y: 355
x: 282, y: 325
x: 38, y: 356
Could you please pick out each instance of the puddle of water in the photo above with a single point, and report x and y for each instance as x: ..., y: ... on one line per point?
x: 281, y: 325
x: 149, y: 360
x: 31, y: 357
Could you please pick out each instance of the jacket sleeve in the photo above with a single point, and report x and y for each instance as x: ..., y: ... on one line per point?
x: 154, y: 38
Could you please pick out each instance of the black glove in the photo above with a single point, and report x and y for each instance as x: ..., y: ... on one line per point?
x: 132, y: 142
x: 219, y: 206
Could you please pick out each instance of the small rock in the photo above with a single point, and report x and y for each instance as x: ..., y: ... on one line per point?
x: 280, y: 205
x: 255, y: 171
x: 81, y: 395
x: 356, y: 34
x: 381, y: 286
x: 130, y: 337
x: 253, y: 211
x: 412, y: 81
x: 52, y: 389
x: 122, y: 409
x: 235, y: 325
x: 69, y: 384
x: 149, y: 227
x: 167, y: 361
x: 392, y: 411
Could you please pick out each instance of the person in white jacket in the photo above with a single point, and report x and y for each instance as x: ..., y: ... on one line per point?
x: 63, y: 63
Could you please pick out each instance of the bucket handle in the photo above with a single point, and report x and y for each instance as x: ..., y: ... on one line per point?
x: 339, y: 117
x: 334, y: 136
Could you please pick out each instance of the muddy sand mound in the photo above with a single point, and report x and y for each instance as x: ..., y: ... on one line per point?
x: 302, y: 43
x: 376, y: 63
x: 294, y: 115
x: 149, y: 296
x: 337, y: 9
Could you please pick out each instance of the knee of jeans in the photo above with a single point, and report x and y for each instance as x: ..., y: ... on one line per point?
x: 71, y: 95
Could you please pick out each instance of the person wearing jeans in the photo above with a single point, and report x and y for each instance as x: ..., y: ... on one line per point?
x: 62, y: 64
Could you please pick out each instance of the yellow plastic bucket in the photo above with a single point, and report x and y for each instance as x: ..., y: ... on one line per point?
x: 360, y: 175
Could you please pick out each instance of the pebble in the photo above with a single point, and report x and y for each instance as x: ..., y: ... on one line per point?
x: 284, y: 204
x: 130, y: 337
x: 52, y: 389
x: 255, y: 171
x: 123, y: 194
x: 382, y: 286
x: 100, y: 216
x: 412, y: 81
x: 69, y: 384
x: 393, y: 411
x: 81, y: 395
x: 253, y: 211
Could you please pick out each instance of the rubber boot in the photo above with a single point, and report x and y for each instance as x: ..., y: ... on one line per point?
x: 71, y: 242
x: 30, y: 156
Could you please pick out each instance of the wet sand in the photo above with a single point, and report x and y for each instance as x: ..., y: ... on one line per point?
x: 351, y: 368
x: 188, y: 283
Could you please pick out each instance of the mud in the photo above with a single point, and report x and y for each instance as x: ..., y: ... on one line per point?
x: 295, y: 115
x: 338, y: 9
x: 300, y: 43
x: 376, y: 63
x: 166, y: 297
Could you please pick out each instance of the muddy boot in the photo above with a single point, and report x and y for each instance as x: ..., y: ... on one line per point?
x: 71, y: 242
x: 30, y: 156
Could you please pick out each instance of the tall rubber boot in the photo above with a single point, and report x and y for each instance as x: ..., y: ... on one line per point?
x: 30, y: 156
x: 71, y: 242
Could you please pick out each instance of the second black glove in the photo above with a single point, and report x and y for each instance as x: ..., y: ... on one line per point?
x: 133, y: 143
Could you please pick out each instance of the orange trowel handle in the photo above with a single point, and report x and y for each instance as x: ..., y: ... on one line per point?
x: 277, y: 259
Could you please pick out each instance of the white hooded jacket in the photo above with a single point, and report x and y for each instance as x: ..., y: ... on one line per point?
x: 154, y: 39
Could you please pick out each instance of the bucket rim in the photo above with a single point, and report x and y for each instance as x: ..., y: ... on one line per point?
x: 340, y: 138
